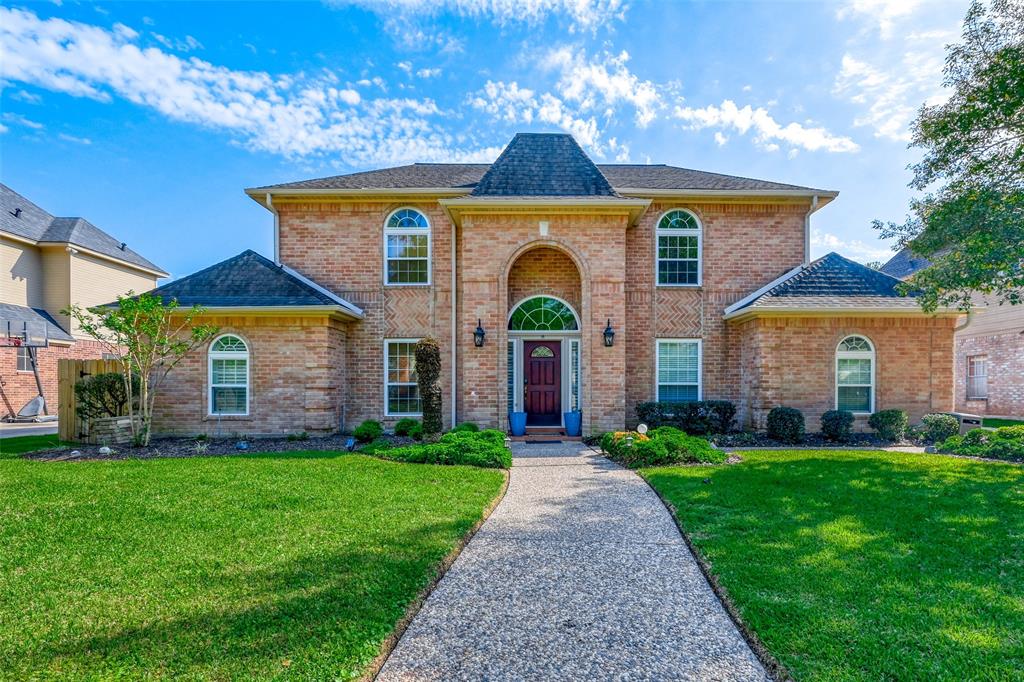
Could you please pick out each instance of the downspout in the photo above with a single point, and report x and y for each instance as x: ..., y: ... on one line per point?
x: 455, y: 327
x: 807, y: 229
x: 277, y: 229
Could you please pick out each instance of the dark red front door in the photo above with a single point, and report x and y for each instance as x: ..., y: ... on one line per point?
x: 543, y: 374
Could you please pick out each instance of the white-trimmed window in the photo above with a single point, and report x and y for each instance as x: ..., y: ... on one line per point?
x: 24, y: 361
x: 406, y: 248
x: 977, y: 377
x: 678, y: 370
x: 855, y: 375
x: 678, y: 239
x: 229, y: 376
x: 401, y: 394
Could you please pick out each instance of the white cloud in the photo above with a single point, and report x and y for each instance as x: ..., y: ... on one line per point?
x: 513, y: 104
x: 720, y: 139
x: 767, y: 131
x: 3, y: 129
x: 291, y: 115
x: 405, y: 66
x: 26, y: 96
x: 603, y: 83
x: 428, y: 73
x: 582, y: 15
x: 824, y: 242
x: 72, y: 138
x: 18, y: 119
x: 882, y: 13
x: 187, y: 45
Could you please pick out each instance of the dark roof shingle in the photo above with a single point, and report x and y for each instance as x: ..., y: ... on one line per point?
x: 249, y: 280
x: 36, y: 319
x: 904, y: 264
x: 548, y: 165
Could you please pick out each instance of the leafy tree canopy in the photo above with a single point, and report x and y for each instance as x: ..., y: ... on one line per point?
x: 970, y: 221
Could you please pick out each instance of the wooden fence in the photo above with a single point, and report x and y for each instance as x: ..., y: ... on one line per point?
x: 70, y: 427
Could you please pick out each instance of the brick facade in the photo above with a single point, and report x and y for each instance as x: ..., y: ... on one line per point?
x: 17, y: 388
x: 1004, y: 354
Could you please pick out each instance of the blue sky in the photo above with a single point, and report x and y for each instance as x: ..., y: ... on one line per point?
x: 150, y: 118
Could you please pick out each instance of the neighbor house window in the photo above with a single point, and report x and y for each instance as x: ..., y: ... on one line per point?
x: 855, y: 375
x: 24, y: 361
x: 406, y: 248
x: 229, y: 376
x: 402, y: 395
x: 678, y: 366
x: 678, y: 237
x: 977, y: 377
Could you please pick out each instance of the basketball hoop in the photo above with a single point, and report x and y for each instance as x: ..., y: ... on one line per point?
x: 23, y: 334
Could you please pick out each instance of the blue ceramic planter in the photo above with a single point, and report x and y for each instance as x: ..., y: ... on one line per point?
x: 517, y: 423
x: 573, y: 423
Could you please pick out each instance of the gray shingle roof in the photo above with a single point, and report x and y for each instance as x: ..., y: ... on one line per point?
x: 36, y: 318
x: 33, y: 223
x: 467, y: 176
x: 249, y: 280
x: 832, y: 282
x: 550, y: 165
x: 904, y: 264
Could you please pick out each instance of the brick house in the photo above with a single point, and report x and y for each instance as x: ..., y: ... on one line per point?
x: 595, y: 287
x: 47, y: 264
x: 988, y: 351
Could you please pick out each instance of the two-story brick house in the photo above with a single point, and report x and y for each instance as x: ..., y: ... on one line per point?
x: 595, y: 287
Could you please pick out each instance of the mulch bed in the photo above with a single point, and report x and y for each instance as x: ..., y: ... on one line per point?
x: 210, y: 447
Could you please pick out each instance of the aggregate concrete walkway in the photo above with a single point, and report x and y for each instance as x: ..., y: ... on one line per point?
x: 579, y: 574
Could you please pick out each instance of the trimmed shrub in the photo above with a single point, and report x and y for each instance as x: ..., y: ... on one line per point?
x: 684, y: 448
x: 938, y: 427
x: 375, y: 447
x: 104, y: 395
x: 404, y: 425
x: 698, y: 417
x: 646, y: 453
x: 483, y: 449
x: 1010, y: 432
x: 416, y: 431
x: 614, y: 442
x: 786, y: 425
x: 891, y: 425
x: 1004, y: 443
x: 837, y: 425
x: 428, y: 372
x: 368, y: 431
x: 468, y: 427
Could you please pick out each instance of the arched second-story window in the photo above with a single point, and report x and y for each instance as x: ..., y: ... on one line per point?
x: 855, y: 375
x: 229, y: 376
x: 406, y: 248
x: 679, y: 249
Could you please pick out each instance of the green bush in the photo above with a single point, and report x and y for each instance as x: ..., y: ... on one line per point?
x: 404, y: 425
x: 104, y: 395
x: 416, y: 431
x: 1004, y: 443
x: 891, y: 425
x: 1011, y: 432
x: 483, y: 449
x: 697, y: 417
x: 684, y: 448
x: 368, y: 431
x: 428, y: 374
x: 938, y: 427
x: 646, y: 453
x: 837, y: 425
x: 375, y: 447
x: 614, y: 443
x: 786, y: 425
x: 663, y: 446
x: 469, y: 427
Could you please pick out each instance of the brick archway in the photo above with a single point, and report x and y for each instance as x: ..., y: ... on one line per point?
x: 544, y: 271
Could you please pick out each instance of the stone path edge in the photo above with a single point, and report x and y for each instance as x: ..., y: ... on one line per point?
x: 774, y: 668
x: 389, y: 644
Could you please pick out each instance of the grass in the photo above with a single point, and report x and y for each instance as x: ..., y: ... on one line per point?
x: 293, y: 565
x: 995, y: 423
x: 12, y: 447
x: 866, y: 565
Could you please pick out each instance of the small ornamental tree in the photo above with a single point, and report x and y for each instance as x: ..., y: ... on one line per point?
x: 428, y: 373
x: 149, y: 338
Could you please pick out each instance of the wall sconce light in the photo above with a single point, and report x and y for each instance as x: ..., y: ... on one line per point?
x: 478, y: 334
x: 609, y: 334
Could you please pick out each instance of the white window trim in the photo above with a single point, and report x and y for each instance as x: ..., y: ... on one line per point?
x: 17, y: 360
x: 429, y: 231
x: 975, y: 396
x: 856, y: 355
x: 658, y: 232
x: 572, y: 309
x: 387, y: 412
x: 657, y: 367
x: 212, y: 355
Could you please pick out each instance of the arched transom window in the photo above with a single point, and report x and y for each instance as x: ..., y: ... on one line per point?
x: 855, y: 375
x: 543, y: 313
x: 406, y: 248
x: 229, y: 376
x: 679, y: 249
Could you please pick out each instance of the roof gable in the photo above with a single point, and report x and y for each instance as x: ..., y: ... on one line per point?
x: 543, y: 164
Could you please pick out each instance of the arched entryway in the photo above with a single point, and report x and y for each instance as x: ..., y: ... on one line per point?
x: 544, y: 343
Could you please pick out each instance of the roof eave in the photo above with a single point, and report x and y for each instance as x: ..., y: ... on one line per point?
x: 96, y: 254
x: 280, y: 310
x: 871, y: 311
x: 259, y: 194
x: 824, y: 196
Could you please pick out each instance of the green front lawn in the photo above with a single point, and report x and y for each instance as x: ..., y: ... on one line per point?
x: 12, y: 447
x: 255, y: 566
x: 866, y: 565
x: 995, y: 423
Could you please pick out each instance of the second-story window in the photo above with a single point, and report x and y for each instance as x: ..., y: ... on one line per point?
x: 678, y: 243
x: 406, y: 248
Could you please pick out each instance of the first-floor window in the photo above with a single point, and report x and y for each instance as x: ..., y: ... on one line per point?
x: 678, y: 369
x: 855, y: 375
x: 229, y: 376
x: 24, y: 361
x: 402, y: 395
x: 977, y: 376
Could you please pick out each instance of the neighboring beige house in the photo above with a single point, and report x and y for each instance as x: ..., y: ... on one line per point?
x: 989, y: 346
x: 46, y: 264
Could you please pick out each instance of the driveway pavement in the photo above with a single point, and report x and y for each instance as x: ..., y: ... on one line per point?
x: 579, y: 574
x: 15, y: 430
